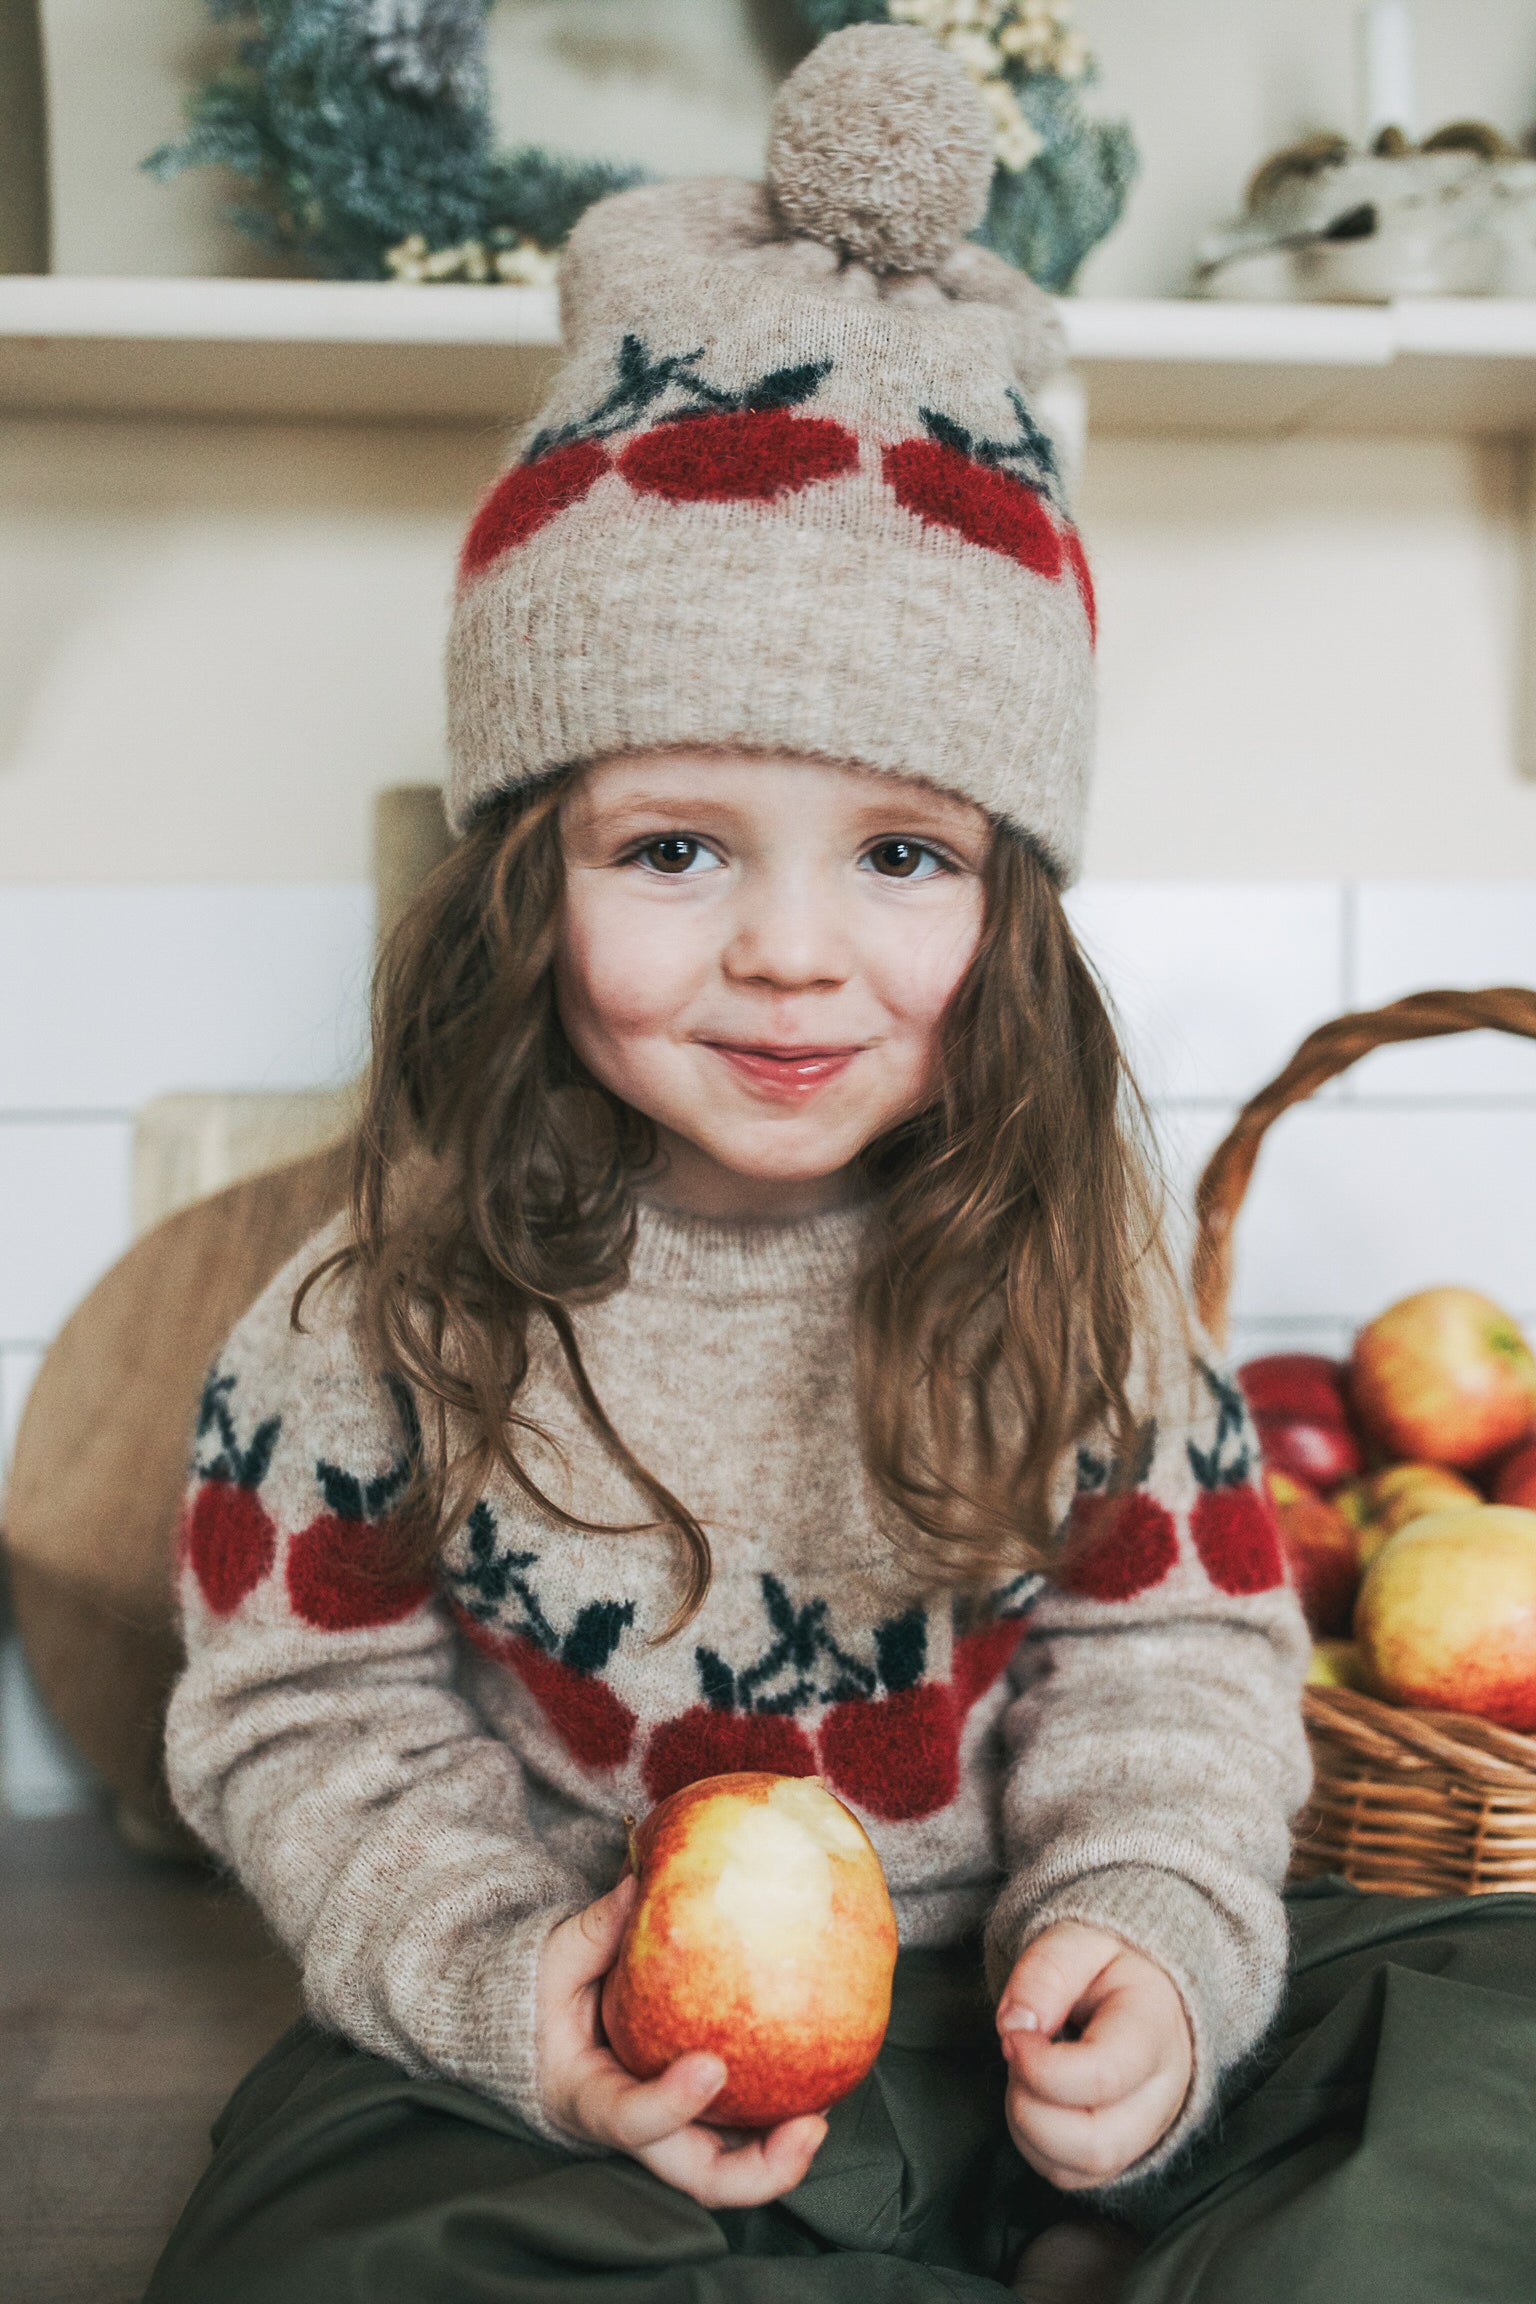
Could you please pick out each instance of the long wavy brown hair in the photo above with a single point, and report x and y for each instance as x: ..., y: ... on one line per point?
x: 1012, y: 1252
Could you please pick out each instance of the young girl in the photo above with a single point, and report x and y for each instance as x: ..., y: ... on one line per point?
x: 750, y: 1348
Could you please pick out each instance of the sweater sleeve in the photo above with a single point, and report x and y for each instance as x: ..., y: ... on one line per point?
x: 317, y: 1741
x: 1154, y: 1748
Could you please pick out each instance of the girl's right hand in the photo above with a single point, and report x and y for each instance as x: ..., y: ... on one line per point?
x: 587, y: 2091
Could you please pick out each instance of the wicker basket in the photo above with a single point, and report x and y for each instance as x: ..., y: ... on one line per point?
x: 1407, y: 1802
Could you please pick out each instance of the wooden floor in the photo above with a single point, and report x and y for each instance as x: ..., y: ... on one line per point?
x: 133, y: 1995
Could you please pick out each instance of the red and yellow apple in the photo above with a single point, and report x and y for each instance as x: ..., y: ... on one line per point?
x: 1447, y: 1614
x: 1377, y: 1506
x: 1301, y: 1413
x: 763, y: 1932
x: 1319, y: 1546
x: 1444, y: 1377
x: 1514, y: 1482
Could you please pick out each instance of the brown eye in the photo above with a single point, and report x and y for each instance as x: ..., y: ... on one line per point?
x: 675, y: 855
x: 903, y: 860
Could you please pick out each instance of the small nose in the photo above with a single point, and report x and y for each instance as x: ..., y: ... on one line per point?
x: 787, y: 934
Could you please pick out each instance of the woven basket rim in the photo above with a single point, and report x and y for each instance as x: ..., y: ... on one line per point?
x: 1500, y: 1759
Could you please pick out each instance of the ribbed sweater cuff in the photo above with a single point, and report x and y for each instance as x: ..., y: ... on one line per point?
x: 1228, y: 1998
x: 511, y: 1998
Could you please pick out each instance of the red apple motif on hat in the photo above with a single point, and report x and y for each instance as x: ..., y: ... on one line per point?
x: 527, y: 498
x: 748, y: 454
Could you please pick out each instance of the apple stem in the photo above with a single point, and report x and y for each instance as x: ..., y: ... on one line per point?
x: 633, y: 1845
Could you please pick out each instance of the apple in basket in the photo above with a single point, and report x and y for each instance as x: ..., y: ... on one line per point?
x: 1319, y: 1545
x: 1447, y: 1614
x: 1514, y: 1480
x: 1377, y: 1506
x: 1301, y: 1413
x: 763, y: 1932
x: 1336, y: 1664
x: 1444, y: 1377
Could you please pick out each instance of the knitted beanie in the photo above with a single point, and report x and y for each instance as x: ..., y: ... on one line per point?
x: 789, y: 491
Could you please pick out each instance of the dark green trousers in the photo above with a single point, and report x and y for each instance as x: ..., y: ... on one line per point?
x: 1379, y: 2149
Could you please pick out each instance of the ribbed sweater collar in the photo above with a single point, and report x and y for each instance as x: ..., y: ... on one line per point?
x: 705, y: 1257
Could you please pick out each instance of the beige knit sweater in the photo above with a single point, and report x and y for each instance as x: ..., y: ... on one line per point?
x: 416, y: 1783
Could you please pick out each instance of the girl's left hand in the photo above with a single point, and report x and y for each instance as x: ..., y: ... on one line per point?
x: 1083, y: 2107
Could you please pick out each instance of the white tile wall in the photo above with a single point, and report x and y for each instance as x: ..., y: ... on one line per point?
x: 1416, y: 1168
x: 1214, y: 984
x: 109, y: 996
x: 63, y: 1216
x: 1413, y: 936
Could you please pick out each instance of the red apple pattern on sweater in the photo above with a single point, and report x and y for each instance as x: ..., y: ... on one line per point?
x: 698, y: 442
x: 866, y: 1712
x: 561, y: 1671
x: 227, y: 1536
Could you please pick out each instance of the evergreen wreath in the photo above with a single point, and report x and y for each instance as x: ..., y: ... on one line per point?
x: 364, y: 129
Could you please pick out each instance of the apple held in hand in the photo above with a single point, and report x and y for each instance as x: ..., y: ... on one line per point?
x: 1320, y: 1547
x: 1445, y: 1377
x: 1302, y: 1415
x: 764, y: 1933
x: 1385, y: 1501
x: 1447, y: 1615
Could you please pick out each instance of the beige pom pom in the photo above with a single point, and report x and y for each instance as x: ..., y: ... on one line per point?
x: 881, y: 146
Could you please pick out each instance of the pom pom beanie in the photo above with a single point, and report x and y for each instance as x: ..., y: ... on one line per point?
x: 791, y: 490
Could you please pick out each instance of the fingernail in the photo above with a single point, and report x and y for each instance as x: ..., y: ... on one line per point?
x: 1019, y: 2020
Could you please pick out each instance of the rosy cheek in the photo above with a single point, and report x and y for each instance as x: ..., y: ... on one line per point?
x: 618, y: 978
x: 920, y: 972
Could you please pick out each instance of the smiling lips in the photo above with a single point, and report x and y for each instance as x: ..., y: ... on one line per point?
x: 785, y: 1072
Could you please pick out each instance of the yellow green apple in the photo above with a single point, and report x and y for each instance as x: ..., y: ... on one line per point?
x: 1377, y: 1506
x: 1337, y: 1664
x: 1444, y: 1377
x: 1447, y: 1614
x: 763, y: 1932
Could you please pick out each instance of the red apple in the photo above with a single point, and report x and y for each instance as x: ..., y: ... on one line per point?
x: 763, y: 1932
x: 1447, y: 1614
x: 1515, y: 1480
x: 1320, y: 1549
x: 1377, y: 1506
x: 1445, y: 1377
x: 1302, y: 1414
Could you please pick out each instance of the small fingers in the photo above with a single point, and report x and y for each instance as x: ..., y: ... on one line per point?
x: 1119, y: 2053
x: 721, y: 2173
x: 614, y: 2108
x: 1076, y: 2150
x: 1051, y: 1976
x: 584, y: 1947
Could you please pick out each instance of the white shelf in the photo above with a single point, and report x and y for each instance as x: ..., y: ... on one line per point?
x: 293, y: 349
x: 302, y: 349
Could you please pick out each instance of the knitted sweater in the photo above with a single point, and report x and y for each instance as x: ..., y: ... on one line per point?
x: 417, y: 1781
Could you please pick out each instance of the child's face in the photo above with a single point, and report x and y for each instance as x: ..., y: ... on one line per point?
x: 756, y: 951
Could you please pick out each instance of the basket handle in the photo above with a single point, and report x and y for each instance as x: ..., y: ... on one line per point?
x: 1331, y: 1049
